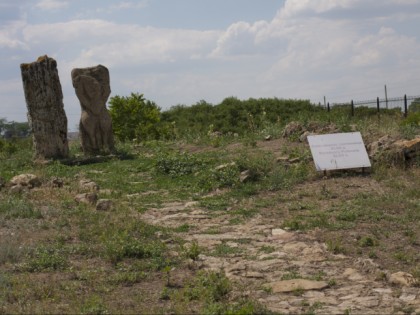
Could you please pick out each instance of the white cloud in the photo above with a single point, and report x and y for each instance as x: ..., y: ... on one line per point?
x: 10, y: 33
x: 115, y: 44
x: 52, y: 4
x: 124, y: 5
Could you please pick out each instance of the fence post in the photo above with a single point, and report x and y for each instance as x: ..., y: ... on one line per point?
x: 352, y: 108
x: 328, y: 107
x: 405, y: 106
x: 377, y: 105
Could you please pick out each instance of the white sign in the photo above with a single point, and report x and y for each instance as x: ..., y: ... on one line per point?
x: 338, y: 151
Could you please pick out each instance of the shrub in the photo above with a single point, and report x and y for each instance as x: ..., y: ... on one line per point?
x: 178, y: 164
x: 134, y: 117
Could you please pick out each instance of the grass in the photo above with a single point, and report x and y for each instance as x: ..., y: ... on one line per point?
x: 57, y: 256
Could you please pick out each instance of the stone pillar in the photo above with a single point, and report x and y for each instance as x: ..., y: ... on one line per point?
x: 93, y: 89
x: 46, y: 115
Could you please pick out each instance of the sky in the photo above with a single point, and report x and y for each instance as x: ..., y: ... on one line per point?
x: 179, y: 52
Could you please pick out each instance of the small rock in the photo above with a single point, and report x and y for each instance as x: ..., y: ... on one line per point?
x: 383, y: 290
x: 245, y: 176
x: 89, y: 185
x: 297, y: 284
x: 407, y: 297
x: 409, y: 148
x: 56, y: 182
x: 87, y: 198
x: 281, y: 234
x: 292, y: 128
x: 29, y: 180
x: 295, y: 160
x: 402, y: 278
x: 103, y: 204
x: 223, y: 166
x: 17, y: 189
x: 352, y: 274
x: 305, y: 135
x: 282, y: 159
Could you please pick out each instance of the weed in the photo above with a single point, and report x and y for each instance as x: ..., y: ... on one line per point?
x: 10, y: 251
x: 192, y: 251
x: 219, y: 178
x: 319, y: 276
x: 18, y: 207
x: 245, y: 213
x: 178, y: 164
x: 46, y: 259
x: 165, y: 294
x: 184, y: 228
x: 208, y: 286
x: 133, y: 242
x: 294, y: 224
x: 367, y: 241
x: 94, y: 306
x: 291, y: 275
x: 128, y: 277
x: 267, y: 249
x: 224, y: 250
x: 335, y: 246
x: 332, y: 282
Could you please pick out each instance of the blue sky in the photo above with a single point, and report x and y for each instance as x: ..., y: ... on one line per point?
x: 183, y: 51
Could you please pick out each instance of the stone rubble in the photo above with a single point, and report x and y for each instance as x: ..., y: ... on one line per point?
x: 287, y: 271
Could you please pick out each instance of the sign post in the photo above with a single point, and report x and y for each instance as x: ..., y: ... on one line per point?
x: 338, y: 151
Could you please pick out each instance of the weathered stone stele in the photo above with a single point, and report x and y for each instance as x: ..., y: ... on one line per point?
x: 46, y: 115
x: 93, y: 89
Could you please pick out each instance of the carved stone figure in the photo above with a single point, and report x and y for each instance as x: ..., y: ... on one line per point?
x: 46, y: 115
x: 93, y: 89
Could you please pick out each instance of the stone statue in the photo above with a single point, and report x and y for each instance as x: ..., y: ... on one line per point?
x: 46, y: 115
x: 93, y: 89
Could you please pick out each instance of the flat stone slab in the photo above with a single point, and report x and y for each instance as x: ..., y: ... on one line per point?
x: 296, y: 284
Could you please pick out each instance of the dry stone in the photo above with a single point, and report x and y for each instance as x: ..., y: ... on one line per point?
x: 103, y: 204
x: 46, y: 115
x: 86, y: 198
x: 402, y: 278
x: 27, y: 180
x: 297, y: 284
x: 93, y: 89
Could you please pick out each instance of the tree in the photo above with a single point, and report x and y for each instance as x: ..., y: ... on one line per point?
x: 13, y: 129
x: 134, y: 117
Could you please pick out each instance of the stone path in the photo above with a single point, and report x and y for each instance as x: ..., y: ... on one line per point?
x: 286, y: 271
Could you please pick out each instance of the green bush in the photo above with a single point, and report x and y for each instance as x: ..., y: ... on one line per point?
x: 134, y: 117
x: 14, y: 207
x: 178, y: 164
x: 47, y: 259
x: 413, y: 119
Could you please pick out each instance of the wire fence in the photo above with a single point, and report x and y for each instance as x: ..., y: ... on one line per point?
x: 403, y: 103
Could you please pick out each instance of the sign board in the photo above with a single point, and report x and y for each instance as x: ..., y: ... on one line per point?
x: 338, y: 151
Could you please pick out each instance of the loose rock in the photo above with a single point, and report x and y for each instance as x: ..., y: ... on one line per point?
x: 27, y: 180
x: 103, y: 205
x: 88, y: 185
x: 297, y: 284
x: 87, y: 198
x: 402, y: 278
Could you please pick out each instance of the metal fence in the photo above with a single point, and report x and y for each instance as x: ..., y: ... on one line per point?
x: 403, y: 103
